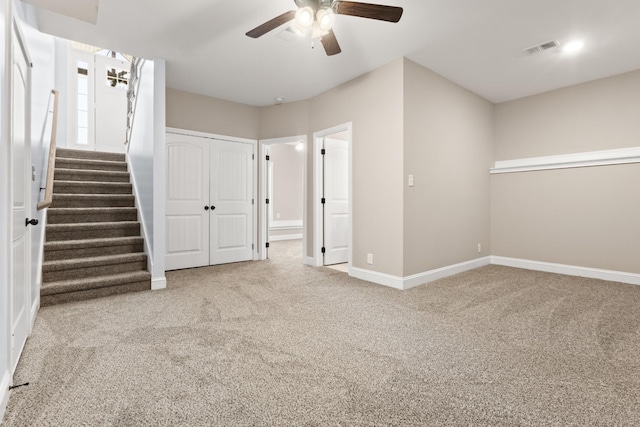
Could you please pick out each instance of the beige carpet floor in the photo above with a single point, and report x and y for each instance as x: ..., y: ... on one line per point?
x: 278, y: 343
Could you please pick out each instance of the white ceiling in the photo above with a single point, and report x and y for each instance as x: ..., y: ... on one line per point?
x: 475, y: 43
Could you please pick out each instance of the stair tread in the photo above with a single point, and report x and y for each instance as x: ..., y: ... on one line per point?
x: 86, y: 183
x: 73, y: 285
x: 92, y: 171
x: 91, y: 161
x: 115, y: 224
x: 98, y: 196
x: 109, y: 241
x: 75, y: 154
x: 67, y: 264
x: 93, y: 209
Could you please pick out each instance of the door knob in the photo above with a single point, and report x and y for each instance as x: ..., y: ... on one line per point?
x: 212, y: 207
x: 206, y: 208
x: 28, y: 221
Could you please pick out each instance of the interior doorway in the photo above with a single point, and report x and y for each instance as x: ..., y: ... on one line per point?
x: 333, y: 197
x: 283, y: 196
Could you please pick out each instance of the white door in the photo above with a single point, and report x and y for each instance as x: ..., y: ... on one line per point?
x: 336, y: 206
x: 111, y: 76
x: 187, y: 208
x: 20, y: 159
x: 231, y: 200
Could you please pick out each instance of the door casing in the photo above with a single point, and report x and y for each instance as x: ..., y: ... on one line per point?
x: 264, y: 231
x: 318, y: 229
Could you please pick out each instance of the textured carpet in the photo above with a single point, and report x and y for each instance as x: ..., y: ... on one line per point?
x: 277, y: 343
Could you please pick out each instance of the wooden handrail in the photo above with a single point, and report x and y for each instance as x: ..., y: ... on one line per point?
x: 51, y: 164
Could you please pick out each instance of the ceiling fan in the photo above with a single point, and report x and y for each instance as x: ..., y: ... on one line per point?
x: 315, y: 18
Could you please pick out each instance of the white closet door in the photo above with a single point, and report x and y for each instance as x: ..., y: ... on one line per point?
x: 231, y: 187
x: 336, y: 208
x: 187, y: 188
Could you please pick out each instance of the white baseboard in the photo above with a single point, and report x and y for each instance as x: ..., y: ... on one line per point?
x: 442, y: 272
x: 285, y: 237
x: 412, y: 281
x: 158, y: 283
x: 569, y: 270
x: 5, y: 382
x: 309, y: 260
x: 376, y: 277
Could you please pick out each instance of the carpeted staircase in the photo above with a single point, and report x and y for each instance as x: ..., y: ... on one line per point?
x: 93, y: 246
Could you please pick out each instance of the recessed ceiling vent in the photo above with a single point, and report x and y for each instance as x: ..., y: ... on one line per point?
x: 542, y: 47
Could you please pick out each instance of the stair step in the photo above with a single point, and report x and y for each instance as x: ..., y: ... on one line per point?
x: 97, y: 230
x: 70, y: 269
x: 70, y: 249
x: 84, y: 154
x: 92, y: 200
x: 83, y: 215
x: 63, y: 174
x: 91, y: 187
x: 90, y: 164
x: 93, y: 287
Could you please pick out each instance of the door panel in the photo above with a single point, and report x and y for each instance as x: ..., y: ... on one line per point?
x: 336, y: 207
x: 187, y: 192
x: 19, y: 274
x: 111, y: 104
x: 231, y: 186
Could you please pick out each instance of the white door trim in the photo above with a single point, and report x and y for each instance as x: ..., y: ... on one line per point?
x: 254, y: 144
x: 317, y: 190
x: 263, y: 143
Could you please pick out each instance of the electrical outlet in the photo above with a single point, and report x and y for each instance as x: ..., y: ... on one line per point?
x: 479, y: 247
x: 369, y: 258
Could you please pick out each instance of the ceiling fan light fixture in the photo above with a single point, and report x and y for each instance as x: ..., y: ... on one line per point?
x: 304, y: 17
x: 326, y: 18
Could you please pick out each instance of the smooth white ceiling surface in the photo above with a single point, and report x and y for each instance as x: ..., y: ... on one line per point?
x: 475, y: 43
x: 85, y: 10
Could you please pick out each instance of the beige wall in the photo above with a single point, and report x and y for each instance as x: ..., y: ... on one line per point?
x: 373, y: 103
x: 448, y: 137
x: 598, y: 115
x: 583, y: 216
x: 204, y: 114
x: 408, y: 120
x: 587, y: 217
x: 289, y: 119
x: 287, y: 182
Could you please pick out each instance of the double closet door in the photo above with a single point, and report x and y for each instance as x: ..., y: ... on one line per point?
x: 209, y: 210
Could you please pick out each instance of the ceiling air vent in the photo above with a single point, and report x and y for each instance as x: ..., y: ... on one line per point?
x: 541, y: 47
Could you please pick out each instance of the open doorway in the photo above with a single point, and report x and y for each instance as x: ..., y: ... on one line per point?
x: 333, y: 197
x: 283, y: 197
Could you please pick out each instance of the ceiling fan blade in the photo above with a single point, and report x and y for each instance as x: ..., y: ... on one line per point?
x: 263, y: 29
x: 330, y: 44
x: 368, y: 10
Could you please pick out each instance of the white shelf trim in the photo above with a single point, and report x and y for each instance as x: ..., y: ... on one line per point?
x: 617, y: 156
